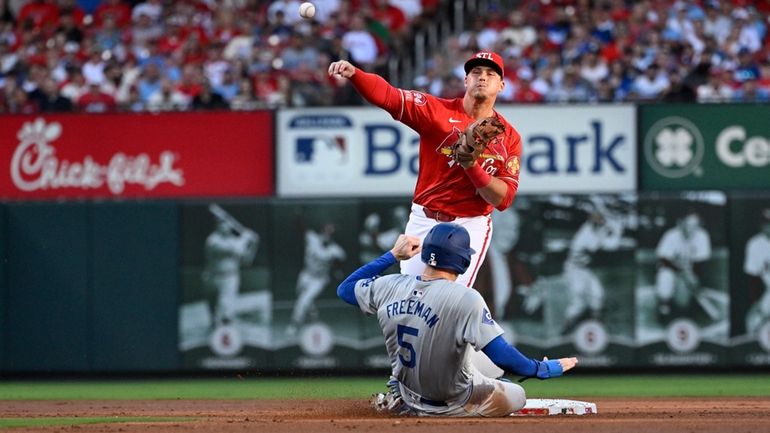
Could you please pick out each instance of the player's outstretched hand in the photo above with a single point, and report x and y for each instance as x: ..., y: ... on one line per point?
x: 566, y: 363
x: 406, y: 247
x: 342, y: 68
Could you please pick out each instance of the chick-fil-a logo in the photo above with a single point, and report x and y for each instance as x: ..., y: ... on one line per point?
x: 35, y: 165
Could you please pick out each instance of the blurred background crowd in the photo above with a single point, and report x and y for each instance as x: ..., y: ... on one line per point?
x: 161, y: 55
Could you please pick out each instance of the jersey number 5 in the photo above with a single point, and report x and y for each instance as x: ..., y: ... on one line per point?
x: 408, y: 330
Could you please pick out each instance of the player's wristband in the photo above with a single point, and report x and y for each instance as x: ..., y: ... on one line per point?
x: 548, y: 369
x: 479, y: 178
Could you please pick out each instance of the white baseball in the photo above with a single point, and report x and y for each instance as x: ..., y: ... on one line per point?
x: 307, y: 10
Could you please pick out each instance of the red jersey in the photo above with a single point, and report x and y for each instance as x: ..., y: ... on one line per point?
x: 442, y: 184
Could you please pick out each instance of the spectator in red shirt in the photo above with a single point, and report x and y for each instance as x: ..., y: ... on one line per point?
x: 225, y: 27
x: 72, y: 8
x: 96, y: 101
x: 119, y: 11
x: 389, y: 16
x: 173, y: 39
x: 526, y: 94
x: 40, y: 14
x: 191, y: 83
x: 193, y: 50
x: 264, y: 86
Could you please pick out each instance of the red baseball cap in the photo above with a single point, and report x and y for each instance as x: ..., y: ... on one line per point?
x: 485, y: 58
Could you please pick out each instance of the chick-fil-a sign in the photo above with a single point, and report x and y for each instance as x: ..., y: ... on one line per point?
x: 163, y: 155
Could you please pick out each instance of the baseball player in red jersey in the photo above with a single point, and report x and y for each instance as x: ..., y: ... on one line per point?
x: 447, y: 190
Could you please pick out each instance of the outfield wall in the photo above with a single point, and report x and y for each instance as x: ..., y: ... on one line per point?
x: 114, y: 287
x: 90, y: 287
x: 108, y: 262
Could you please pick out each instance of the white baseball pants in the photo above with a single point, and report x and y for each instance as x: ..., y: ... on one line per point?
x: 480, y: 231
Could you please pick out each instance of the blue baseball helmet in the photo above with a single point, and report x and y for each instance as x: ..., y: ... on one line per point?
x: 447, y: 246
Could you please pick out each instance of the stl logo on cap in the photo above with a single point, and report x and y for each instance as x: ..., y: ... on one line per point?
x: 487, y: 58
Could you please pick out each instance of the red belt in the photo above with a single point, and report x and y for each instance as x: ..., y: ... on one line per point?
x: 438, y: 216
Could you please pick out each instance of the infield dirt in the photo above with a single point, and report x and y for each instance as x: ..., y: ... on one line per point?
x: 701, y: 415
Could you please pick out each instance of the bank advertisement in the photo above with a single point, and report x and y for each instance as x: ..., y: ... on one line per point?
x: 682, y: 292
x: 364, y: 151
x: 749, y: 230
x: 168, y: 155
x: 704, y: 146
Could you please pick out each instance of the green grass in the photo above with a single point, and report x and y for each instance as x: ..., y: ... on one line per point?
x: 329, y: 388
x: 50, y: 421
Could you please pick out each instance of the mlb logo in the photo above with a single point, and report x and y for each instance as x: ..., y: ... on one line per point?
x: 320, y: 149
x: 417, y: 293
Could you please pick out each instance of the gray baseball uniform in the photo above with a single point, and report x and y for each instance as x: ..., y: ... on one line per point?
x: 428, y: 327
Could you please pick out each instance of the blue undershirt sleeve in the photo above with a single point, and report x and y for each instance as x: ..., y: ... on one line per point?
x: 511, y: 360
x: 347, y: 289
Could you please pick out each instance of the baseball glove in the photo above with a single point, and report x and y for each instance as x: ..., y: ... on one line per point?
x: 477, y: 136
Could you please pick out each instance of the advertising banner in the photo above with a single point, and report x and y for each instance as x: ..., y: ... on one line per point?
x: 615, y: 279
x: 382, y: 220
x: 259, y: 283
x: 511, y: 278
x: 704, y: 146
x: 587, y: 277
x: 682, y: 297
x: 363, y: 151
x: 315, y: 250
x: 136, y: 155
x: 750, y: 279
x: 226, y: 274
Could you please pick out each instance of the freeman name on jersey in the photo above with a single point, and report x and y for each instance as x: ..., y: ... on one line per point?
x: 415, y: 307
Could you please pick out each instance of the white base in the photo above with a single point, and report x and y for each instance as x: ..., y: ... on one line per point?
x: 549, y: 406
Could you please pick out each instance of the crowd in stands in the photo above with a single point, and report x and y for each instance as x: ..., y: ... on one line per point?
x: 158, y: 55
x: 618, y: 51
